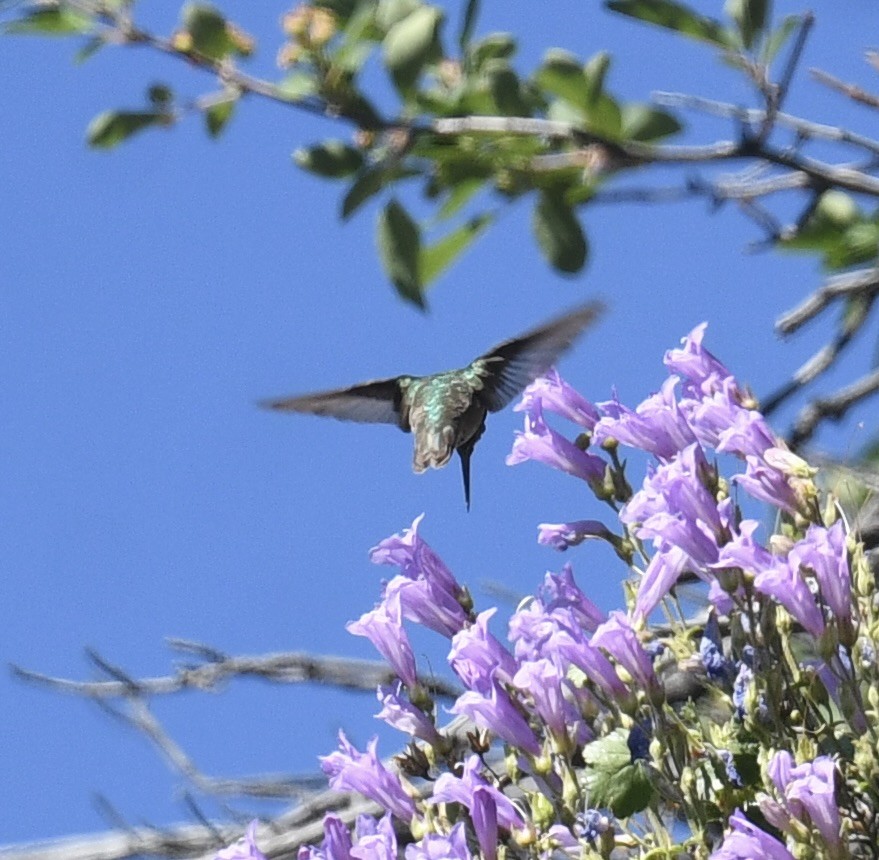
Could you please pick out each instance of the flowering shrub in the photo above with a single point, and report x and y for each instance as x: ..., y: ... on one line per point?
x: 587, y: 743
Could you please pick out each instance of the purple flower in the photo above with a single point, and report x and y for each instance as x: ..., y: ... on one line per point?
x: 716, y: 666
x: 745, y: 841
x: 741, y: 688
x: 555, y: 395
x: 823, y: 551
x: 768, y: 484
x: 655, y: 426
x: 541, y: 443
x: 788, y: 587
x: 559, y: 591
x: 563, y: 535
x: 336, y: 844
x: 493, y: 709
x: 729, y: 765
x: 403, y: 715
x: 617, y: 637
x: 477, y: 656
x: 701, y: 371
x: 348, y: 769
x: 742, y: 551
x: 375, y: 841
x: 415, y: 558
x: 667, y: 564
x: 493, y: 808
x: 807, y: 793
x: 638, y: 741
x: 383, y: 626
x: 245, y: 848
x: 545, y: 683
x: 591, y: 823
x: 436, y: 846
x: 422, y: 601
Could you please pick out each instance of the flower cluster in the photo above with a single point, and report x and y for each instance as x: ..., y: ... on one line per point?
x: 583, y: 730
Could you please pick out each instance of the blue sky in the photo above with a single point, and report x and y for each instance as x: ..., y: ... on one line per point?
x: 151, y: 295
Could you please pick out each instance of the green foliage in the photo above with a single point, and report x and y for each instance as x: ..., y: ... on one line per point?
x: 333, y: 158
x: 51, y: 21
x: 399, y: 246
x: 110, y: 128
x: 410, y: 43
x: 611, y: 779
x: 677, y: 17
x: 839, y: 232
x: 211, y: 34
x: 218, y: 115
x: 559, y: 233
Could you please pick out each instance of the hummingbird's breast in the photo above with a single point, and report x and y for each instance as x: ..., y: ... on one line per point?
x: 443, y: 414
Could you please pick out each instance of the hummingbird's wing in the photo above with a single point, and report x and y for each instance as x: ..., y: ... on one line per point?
x: 374, y: 402
x: 511, y: 366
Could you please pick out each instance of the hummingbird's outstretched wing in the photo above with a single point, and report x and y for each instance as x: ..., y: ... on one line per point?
x: 513, y: 365
x: 374, y: 402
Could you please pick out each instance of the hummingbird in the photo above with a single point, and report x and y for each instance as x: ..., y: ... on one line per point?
x: 446, y: 411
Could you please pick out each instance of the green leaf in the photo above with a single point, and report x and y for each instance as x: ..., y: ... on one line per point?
x: 468, y: 24
x: 399, y: 246
x: 110, y: 128
x: 391, y: 12
x: 605, y: 117
x: 611, y: 778
x: 209, y: 30
x: 366, y: 184
x: 559, y: 233
x: 750, y: 17
x: 674, y: 16
x: 89, y: 49
x: 596, y: 71
x: 646, y: 123
x: 460, y: 193
x: 297, y: 86
x: 332, y: 158
x: 779, y: 36
x: 436, y: 258
x: 57, y: 21
x: 495, y: 46
x: 410, y: 44
x: 217, y: 115
x: 160, y: 96
x: 503, y: 83
x: 562, y: 75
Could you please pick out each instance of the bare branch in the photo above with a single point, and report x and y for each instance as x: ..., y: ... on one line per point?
x: 854, y: 92
x: 282, y: 668
x: 836, y: 287
x: 833, y: 407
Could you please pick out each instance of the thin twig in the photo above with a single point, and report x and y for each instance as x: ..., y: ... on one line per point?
x: 854, y: 92
x: 834, y: 407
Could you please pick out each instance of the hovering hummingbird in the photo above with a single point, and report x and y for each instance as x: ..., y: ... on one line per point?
x: 446, y: 411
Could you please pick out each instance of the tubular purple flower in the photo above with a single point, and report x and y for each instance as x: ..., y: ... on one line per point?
x: 348, y: 769
x: 415, y: 558
x: 655, y: 426
x: 483, y: 814
x: 245, y: 848
x: 383, y: 626
x: 788, y: 588
x: 563, y: 535
x: 452, y: 789
x: 425, y: 603
x: 744, y: 552
x: 541, y: 443
x: 542, y: 680
x: 493, y: 709
x: 555, y: 395
x: 404, y: 716
x: 823, y: 551
x: 378, y: 843
x: 768, y: 484
x: 808, y: 792
x: 617, y: 637
x: 477, y: 656
x: 560, y: 591
x: 702, y: 372
x: 436, y: 846
x: 667, y: 564
x: 745, y: 841
x: 336, y: 844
